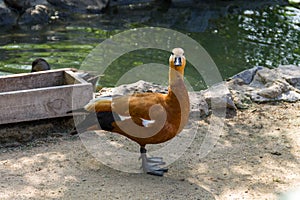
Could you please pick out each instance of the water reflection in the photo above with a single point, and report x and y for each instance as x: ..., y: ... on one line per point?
x: 270, y: 37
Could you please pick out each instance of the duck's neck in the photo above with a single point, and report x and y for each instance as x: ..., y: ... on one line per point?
x: 178, y: 100
x: 176, y: 81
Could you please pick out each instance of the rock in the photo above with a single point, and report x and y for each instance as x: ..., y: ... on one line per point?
x: 263, y: 77
x: 18, y: 5
x: 87, y: 6
x: 240, y: 99
x: 28, y: 12
x: 271, y: 84
x: 198, y: 105
x: 280, y: 84
x: 290, y: 96
x: 22, y: 5
x: 129, y: 2
x: 39, y: 14
x: 240, y: 93
x: 218, y: 96
x: 274, y: 90
x: 247, y: 75
x: 291, y: 74
x: 7, y: 17
x: 139, y: 87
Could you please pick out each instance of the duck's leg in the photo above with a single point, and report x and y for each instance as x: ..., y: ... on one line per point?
x: 152, y: 165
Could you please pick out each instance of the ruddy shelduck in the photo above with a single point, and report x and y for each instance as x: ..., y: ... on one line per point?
x: 146, y: 118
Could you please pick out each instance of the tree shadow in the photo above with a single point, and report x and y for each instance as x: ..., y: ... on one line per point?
x: 66, y: 170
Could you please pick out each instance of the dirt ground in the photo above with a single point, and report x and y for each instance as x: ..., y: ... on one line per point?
x: 255, y: 157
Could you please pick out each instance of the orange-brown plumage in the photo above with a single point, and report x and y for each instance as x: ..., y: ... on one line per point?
x: 168, y: 112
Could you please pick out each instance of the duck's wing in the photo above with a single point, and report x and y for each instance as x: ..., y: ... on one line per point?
x: 124, y: 112
x: 135, y: 106
x: 140, y: 105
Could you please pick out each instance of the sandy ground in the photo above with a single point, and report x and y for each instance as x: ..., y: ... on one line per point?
x: 255, y: 157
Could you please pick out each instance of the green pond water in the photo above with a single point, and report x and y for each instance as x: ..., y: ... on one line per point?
x: 266, y: 36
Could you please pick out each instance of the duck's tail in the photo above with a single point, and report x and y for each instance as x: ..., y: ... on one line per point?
x: 90, y: 122
x: 96, y: 121
x: 78, y: 111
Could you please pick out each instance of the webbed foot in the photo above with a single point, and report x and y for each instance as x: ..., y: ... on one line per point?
x: 152, y: 165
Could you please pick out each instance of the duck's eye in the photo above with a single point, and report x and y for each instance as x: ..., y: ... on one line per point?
x: 172, y: 53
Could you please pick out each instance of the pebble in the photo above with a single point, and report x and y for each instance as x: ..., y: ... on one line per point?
x: 276, y: 153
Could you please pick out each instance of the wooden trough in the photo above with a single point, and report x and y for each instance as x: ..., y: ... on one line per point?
x: 42, y: 95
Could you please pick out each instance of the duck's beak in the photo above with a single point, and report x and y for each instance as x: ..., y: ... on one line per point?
x: 177, y: 61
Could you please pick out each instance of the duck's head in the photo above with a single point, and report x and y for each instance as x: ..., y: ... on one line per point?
x: 177, y: 60
x: 40, y: 64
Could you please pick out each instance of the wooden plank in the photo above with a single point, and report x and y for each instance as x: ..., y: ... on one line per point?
x: 27, y: 105
x: 43, y: 102
x: 27, y: 81
x: 72, y: 78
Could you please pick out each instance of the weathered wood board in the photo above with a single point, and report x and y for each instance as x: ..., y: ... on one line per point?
x: 41, y: 95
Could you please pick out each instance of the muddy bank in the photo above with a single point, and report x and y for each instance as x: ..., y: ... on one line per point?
x: 256, y: 157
